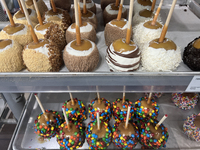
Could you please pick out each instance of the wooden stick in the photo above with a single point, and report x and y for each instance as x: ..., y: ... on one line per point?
x: 70, y: 94
x: 53, y: 6
x: 98, y: 95
x: 153, y: 5
x: 117, y: 3
x: 79, y: 13
x: 38, y: 12
x: 66, y: 119
x: 127, y: 117
x: 119, y: 16
x: 123, y: 100
x: 98, y: 120
x: 42, y: 108
x: 164, y: 31
x: 84, y: 7
x: 20, y: 5
x: 78, y: 34
x: 161, y: 121
x: 71, y: 97
x: 157, y: 13
x: 35, y: 39
x: 129, y: 30
x: 8, y: 13
x: 149, y: 98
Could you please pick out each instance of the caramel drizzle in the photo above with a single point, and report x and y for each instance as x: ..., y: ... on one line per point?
x: 21, y: 14
x: 40, y: 43
x: 9, y: 29
x: 120, y: 46
x: 196, y: 44
x: 167, y: 44
x: 83, y: 46
x: 4, y: 43
x: 119, y: 23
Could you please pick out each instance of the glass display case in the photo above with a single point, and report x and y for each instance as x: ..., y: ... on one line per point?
x: 53, y: 87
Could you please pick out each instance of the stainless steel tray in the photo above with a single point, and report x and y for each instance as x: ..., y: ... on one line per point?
x: 26, y: 139
x: 183, y: 28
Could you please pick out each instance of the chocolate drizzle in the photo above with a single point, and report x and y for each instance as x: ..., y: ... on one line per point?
x: 131, y: 55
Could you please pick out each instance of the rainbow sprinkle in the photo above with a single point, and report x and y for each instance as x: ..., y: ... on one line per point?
x: 104, y: 115
x: 78, y: 114
x: 184, y: 102
x: 120, y: 115
x: 49, y: 130
x: 122, y: 141
x: 190, y: 129
x: 74, y: 141
x: 146, y: 137
x: 144, y: 114
x: 98, y: 143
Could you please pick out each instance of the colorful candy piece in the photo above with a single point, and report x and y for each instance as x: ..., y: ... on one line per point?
x: 98, y: 139
x: 47, y: 128
x: 105, y: 110
x: 185, y: 100
x: 71, y: 139
x: 76, y: 112
x: 152, y: 137
x: 120, y: 110
x: 125, y: 138
x: 144, y: 111
x: 191, y: 127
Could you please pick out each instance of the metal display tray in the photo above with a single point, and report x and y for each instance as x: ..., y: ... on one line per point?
x: 183, y: 28
x: 25, y: 139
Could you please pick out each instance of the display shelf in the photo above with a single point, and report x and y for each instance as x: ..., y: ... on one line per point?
x: 182, y: 30
x: 26, y: 139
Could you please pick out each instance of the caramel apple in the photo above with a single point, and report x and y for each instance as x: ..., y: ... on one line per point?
x: 146, y: 109
x: 43, y: 56
x: 153, y: 137
x: 87, y: 31
x: 111, y: 12
x: 60, y: 17
x: 161, y: 56
x: 19, y: 17
x: 115, y: 30
x: 10, y: 56
x: 104, y: 108
x: 120, y: 109
x: 81, y: 58
x: 98, y: 139
x: 185, y: 101
x: 41, y: 4
x: 123, y: 57
x: 46, y: 125
x: 89, y: 16
x: 75, y: 110
x: 191, y: 127
x: 125, y: 138
x: 71, y: 136
x: 191, y: 56
x: 52, y: 32
x: 19, y: 33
